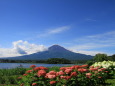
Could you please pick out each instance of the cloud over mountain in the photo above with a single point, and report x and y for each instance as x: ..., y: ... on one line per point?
x: 21, y: 48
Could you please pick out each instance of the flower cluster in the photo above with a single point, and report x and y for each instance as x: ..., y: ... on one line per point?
x: 105, y: 64
x: 77, y: 75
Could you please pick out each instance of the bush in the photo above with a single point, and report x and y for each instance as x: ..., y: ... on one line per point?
x: 109, y: 65
x: 77, y: 75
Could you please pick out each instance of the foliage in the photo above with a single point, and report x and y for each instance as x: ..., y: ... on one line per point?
x: 58, y: 61
x: 113, y: 57
x: 10, y: 72
x: 100, y: 57
x: 40, y: 61
x: 79, y: 61
x: 90, y: 62
x: 109, y: 65
x: 110, y: 82
x: 77, y: 75
x: 21, y: 61
x: 9, y: 76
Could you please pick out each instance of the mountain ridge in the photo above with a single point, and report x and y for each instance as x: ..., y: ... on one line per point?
x: 54, y: 51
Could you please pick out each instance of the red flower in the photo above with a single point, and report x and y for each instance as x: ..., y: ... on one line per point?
x: 52, y: 73
x: 50, y: 76
x: 32, y: 66
x: 68, y: 71
x: 25, y: 74
x: 82, y: 70
x: 60, y: 73
x: 43, y: 68
x: 84, y: 65
x: 77, y: 66
x: 19, y: 77
x: 88, y: 77
x: 93, y: 69
x: 88, y: 74
x: 36, y: 68
x: 28, y: 71
x: 52, y: 82
x: 41, y: 73
x: 99, y: 77
x: 91, y: 66
x: 100, y: 70
x: 106, y: 71
x: 63, y: 77
x: 73, y: 74
x: 103, y: 69
x: 67, y: 77
x: 62, y: 68
x: 34, y: 84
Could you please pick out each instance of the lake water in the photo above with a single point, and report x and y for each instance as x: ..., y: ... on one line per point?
x: 27, y: 65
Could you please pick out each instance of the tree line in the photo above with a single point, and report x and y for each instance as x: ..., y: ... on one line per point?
x: 101, y: 57
x: 97, y: 58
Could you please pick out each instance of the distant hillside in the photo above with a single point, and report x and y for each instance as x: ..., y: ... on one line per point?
x: 54, y: 51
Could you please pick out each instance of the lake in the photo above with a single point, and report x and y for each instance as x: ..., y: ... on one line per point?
x: 27, y: 65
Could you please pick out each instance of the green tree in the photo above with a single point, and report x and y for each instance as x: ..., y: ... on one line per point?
x: 100, y: 57
x: 58, y: 61
x: 113, y: 57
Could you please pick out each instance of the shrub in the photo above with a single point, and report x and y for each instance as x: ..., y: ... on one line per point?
x: 77, y: 75
x: 109, y: 65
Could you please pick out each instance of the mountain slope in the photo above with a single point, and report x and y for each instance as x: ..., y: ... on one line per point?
x: 54, y: 51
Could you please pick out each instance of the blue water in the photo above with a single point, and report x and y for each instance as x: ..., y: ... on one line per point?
x: 27, y: 65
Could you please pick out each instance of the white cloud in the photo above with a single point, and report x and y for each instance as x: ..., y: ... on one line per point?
x: 99, y: 40
x: 89, y: 19
x: 58, y: 30
x: 54, y: 31
x: 94, y: 42
x: 88, y: 52
x: 21, y: 48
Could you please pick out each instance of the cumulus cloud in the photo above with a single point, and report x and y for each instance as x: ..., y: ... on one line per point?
x: 21, y: 48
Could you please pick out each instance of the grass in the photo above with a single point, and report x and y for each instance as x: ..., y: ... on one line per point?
x: 110, y: 82
x: 9, y: 76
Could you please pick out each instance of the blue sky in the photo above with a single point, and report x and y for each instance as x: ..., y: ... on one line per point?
x: 84, y: 26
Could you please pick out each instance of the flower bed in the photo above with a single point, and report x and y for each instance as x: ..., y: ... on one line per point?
x: 109, y: 65
x: 105, y: 64
x: 77, y: 75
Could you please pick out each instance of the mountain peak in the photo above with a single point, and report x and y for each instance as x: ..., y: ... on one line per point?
x: 56, y: 48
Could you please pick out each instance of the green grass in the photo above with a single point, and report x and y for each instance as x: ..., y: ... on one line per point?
x: 9, y: 76
x: 110, y: 82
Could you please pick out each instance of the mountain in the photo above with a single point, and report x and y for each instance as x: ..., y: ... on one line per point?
x: 55, y: 51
